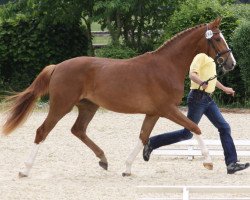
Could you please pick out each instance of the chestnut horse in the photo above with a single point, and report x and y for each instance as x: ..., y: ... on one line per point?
x: 151, y: 84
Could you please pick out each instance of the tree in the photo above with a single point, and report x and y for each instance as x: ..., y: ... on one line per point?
x: 109, y: 15
x: 145, y: 22
x: 49, y: 12
x: 88, y: 17
x: 138, y: 22
x: 67, y: 12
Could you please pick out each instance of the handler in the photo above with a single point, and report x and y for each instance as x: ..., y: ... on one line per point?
x: 199, y: 102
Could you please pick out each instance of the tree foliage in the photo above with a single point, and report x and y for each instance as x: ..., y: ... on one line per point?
x: 192, y: 13
x: 241, y: 46
x: 138, y: 22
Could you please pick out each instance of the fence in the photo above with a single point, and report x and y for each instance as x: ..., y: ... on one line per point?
x: 212, y: 191
x: 190, y: 148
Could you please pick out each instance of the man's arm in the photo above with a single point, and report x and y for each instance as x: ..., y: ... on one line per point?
x: 194, y: 77
x: 225, y: 89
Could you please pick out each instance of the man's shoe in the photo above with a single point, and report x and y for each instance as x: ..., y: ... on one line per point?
x: 147, y: 151
x: 234, y: 167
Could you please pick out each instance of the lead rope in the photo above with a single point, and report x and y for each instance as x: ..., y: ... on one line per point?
x: 210, y: 79
x: 206, y: 82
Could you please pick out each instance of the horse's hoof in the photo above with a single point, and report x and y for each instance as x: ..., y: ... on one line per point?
x: 22, y: 175
x: 126, y: 174
x: 208, y: 166
x: 103, y: 165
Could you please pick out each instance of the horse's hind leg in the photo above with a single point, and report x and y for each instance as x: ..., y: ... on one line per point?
x: 87, y: 111
x: 56, y: 112
x: 146, y: 129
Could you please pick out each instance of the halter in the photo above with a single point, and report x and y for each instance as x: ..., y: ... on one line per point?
x: 219, y: 60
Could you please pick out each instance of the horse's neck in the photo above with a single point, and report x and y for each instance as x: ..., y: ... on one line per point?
x: 180, y: 52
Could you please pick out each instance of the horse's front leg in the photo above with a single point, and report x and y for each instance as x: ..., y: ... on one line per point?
x: 207, y: 163
x: 146, y: 129
x: 177, y: 117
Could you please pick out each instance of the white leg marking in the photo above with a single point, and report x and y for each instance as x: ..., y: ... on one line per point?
x: 132, y: 157
x: 207, y: 158
x: 30, y: 161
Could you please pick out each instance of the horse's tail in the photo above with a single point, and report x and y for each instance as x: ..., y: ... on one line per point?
x: 21, y: 104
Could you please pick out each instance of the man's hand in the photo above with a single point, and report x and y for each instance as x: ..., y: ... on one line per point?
x: 194, y: 77
x: 225, y: 89
x: 204, y: 85
x: 229, y: 90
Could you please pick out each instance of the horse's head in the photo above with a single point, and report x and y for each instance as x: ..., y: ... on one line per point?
x: 217, y: 46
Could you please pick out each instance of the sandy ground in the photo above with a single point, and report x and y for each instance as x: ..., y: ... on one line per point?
x: 66, y: 169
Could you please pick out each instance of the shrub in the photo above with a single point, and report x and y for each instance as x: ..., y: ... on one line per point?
x: 241, y: 46
x: 116, y: 51
x: 26, y: 47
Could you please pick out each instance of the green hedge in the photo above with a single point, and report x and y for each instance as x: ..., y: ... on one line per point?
x: 27, y: 46
x: 194, y: 12
x: 241, y: 46
x: 116, y: 51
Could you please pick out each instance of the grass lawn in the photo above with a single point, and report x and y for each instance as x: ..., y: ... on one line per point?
x: 99, y: 39
x: 96, y: 27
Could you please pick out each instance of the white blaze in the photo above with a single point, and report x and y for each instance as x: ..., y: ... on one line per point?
x: 231, y: 54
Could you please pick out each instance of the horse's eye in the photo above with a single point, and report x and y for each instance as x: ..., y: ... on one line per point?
x: 218, y: 39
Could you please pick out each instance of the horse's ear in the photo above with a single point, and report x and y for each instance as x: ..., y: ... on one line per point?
x: 216, y: 22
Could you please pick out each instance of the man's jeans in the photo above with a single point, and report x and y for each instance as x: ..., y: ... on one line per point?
x: 200, y: 103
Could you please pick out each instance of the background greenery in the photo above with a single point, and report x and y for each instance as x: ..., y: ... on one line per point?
x: 240, y: 42
x: 36, y: 33
x: 28, y: 43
